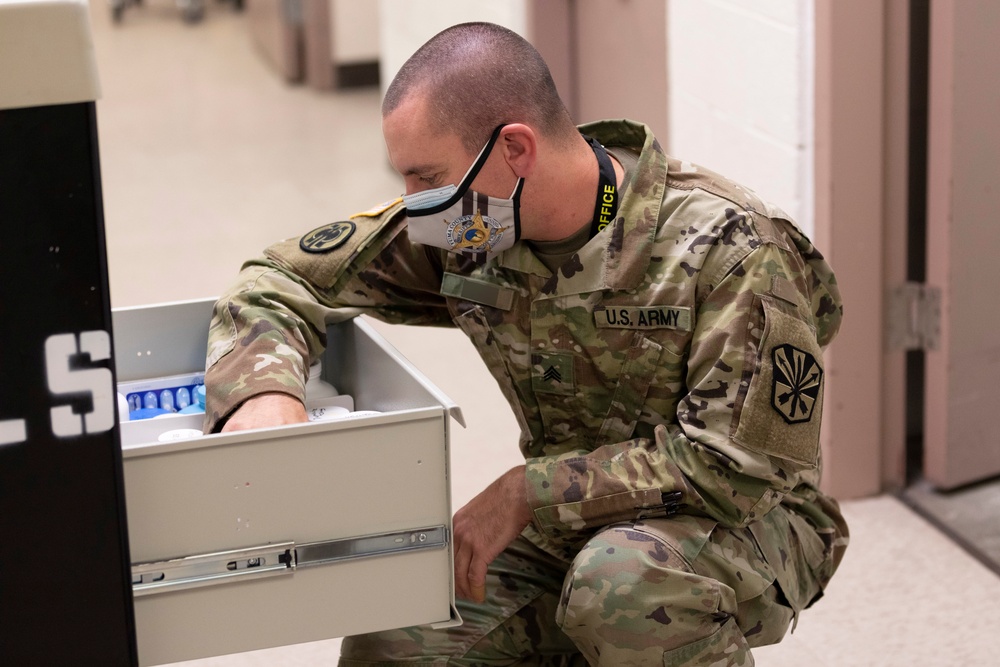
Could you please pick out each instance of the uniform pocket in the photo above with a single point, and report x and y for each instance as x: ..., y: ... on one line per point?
x: 727, y: 644
x: 475, y: 325
x: 795, y: 552
x: 780, y: 415
x: 637, y: 373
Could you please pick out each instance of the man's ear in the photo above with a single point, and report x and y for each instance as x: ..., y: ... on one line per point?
x: 520, y: 148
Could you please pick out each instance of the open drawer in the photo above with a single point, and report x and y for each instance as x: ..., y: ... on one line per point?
x: 292, y: 534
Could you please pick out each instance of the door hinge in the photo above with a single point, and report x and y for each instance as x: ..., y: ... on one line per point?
x: 913, y: 320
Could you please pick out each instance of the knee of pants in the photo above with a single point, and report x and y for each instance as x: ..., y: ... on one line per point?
x: 631, y: 594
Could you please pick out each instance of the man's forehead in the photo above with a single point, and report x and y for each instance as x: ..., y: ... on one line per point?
x: 415, y: 151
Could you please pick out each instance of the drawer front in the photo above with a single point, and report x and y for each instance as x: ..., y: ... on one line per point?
x: 346, y: 480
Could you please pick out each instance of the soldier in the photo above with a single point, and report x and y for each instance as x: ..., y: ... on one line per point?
x: 657, y: 330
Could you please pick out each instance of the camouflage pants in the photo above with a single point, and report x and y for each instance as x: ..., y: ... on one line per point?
x: 658, y: 592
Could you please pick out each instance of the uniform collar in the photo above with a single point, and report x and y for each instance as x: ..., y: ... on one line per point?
x: 618, y: 257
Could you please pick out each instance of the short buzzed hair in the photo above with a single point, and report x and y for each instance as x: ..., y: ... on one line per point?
x: 477, y: 76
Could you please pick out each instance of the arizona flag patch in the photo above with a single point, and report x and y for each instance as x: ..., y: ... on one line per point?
x: 796, y: 383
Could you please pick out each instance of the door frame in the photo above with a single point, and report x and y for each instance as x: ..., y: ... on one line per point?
x: 861, y: 126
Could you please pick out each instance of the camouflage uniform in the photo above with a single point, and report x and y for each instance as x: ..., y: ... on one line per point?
x: 667, y: 380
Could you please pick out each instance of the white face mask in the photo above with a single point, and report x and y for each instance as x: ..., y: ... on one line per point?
x: 463, y: 221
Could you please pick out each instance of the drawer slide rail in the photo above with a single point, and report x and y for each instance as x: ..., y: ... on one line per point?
x: 277, y: 559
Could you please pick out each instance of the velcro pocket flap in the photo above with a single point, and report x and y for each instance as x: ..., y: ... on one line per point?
x: 781, y: 413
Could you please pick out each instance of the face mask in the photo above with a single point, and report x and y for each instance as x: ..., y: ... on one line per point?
x: 462, y: 220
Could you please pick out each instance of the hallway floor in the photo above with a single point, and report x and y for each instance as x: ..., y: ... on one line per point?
x: 207, y: 157
x: 970, y: 515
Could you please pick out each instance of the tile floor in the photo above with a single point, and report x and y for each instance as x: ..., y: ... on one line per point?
x: 969, y: 514
x: 207, y: 157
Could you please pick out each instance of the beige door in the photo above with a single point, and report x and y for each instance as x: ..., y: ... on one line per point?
x: 594, y: 49
x: 961, y: 436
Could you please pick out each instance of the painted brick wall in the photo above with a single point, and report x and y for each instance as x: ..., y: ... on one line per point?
x: 406, y: 24
x: 740, y: 94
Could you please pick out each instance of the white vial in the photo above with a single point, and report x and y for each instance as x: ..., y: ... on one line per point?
x: 122, y: 408
x: 328, y: 413
x: 180, y: 434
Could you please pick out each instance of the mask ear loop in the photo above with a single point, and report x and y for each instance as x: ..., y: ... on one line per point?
x: 515, y: 196
x: 480, y: 160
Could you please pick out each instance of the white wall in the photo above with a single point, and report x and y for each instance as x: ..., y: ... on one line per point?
x: 740, y: 94
x: 406, y: 24
x: 354, y: 31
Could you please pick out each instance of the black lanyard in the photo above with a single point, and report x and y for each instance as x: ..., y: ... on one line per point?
x: 607, y: 190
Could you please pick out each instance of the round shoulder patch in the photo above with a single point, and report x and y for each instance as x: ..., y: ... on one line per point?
x: 328, y: 237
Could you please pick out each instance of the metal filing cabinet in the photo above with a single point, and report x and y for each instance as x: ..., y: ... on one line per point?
x: 292, y: 534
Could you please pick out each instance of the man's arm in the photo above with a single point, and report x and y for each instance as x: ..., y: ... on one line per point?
x: 271, y: 324
x: 746, y: 431
x: 484, y: 527
x: 265, y: 410
x: 265, y: 332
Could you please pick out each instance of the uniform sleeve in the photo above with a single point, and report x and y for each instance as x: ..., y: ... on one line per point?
x: 747, y: 426
x: 271, y: 324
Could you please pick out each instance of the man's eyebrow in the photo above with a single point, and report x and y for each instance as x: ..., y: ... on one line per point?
x: 419, y: 169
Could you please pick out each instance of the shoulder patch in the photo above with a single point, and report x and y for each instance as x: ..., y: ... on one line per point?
x: 323, y: 255
x: 328, y: 237
x: 797, y: 380
x: 781, y: 411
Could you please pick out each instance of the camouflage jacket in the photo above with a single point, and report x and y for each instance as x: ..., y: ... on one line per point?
x: 673, y: 365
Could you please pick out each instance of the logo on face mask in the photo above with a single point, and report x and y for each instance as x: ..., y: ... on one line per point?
x: 475, y: 233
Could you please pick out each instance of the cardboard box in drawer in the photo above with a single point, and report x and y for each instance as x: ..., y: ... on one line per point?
x: 285, y: 535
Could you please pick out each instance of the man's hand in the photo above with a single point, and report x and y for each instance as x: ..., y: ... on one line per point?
x: 484, y: 528
x: 264, y: 410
